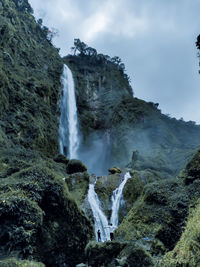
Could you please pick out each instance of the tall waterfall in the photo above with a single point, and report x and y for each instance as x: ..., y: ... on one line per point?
x: 101, y: 222
x: 68, y: 129
x: 116, y: 198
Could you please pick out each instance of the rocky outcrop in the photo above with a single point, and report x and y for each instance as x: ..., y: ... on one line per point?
x: 75, y: 166
x: 37, y: 211
x: 186, y: 251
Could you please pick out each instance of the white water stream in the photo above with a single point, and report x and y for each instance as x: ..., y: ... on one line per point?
x: 101, y: 222
x: 68, y: 128
x: 116, y: 199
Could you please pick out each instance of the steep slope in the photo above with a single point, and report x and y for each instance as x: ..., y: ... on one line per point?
x: 39, y: 219
x: 30, y: 69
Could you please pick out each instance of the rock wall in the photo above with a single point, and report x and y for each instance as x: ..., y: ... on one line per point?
x: 30, y: 69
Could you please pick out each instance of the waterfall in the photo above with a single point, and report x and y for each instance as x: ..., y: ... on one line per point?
x: 68, y: 129
x: 116, y: 198
x: 100, y: 220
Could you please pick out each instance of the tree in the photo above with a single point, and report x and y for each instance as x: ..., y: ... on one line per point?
x: 198, y: 42
x: 116, y: 60
x: 23, y: 5
x: 91, y: 52
x: 79, y: 46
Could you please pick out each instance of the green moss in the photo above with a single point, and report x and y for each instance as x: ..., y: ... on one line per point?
x: 159, y: 213
x: 102, y: 253
x: 192, y: 169
x: 78, y: 186
x: 30, y: 69
x: 187, y: 250
x: 12, y: 262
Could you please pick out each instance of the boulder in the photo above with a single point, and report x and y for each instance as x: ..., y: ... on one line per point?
x: 115, y: 170
x: 59, y: 158
x: 75, y: 165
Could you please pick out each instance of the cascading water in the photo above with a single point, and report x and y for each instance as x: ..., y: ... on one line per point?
x: 116, y: 199
x: 68, y: 129
x: 101, y: 222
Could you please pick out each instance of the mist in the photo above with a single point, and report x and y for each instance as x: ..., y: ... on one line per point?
x: 95, y: 152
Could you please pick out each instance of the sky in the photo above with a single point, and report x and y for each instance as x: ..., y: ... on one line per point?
x: 154, y: 38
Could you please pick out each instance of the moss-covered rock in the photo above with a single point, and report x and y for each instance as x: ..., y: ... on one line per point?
x: 114, y: 170
x: 12, y: 262
x: 61, y: 159
x: 37, y: 211
x: 159, y: 213
x: 75, y: 166
x: 105, y: 186
x: 135, y: 255
x: 78, y: 186
x: 30, y: 69
x: 192, y: 169
x: 103, y: 253
x: 186, y: 251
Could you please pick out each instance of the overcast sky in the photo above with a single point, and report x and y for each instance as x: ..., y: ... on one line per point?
x: 154, y: 38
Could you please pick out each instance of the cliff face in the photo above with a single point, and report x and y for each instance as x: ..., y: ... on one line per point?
x: 114, y: 124
x: 36, y: 208
x: 30, y: 69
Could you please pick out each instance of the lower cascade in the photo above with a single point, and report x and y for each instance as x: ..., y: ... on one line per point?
x: 68, y: 128
x: 100, y: 220
x: 116, y: 199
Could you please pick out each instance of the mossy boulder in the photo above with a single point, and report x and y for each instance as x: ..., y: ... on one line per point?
x: 99, y: 254
x: 61, y: 159
x: 135, y: 255
x: 159, y: 212
x: 114, y: 170
x: 75, y: 166
x: 78, y: 186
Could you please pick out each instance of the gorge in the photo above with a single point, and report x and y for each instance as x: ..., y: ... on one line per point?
x: 117, y: 146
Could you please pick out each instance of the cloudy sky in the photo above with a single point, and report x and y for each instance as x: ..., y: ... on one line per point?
x: 154, y: 38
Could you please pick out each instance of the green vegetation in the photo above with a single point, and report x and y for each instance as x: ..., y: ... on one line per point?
x: 83, y: 50
x: 42, y: 192
x: 12, y: 262
x: 36, y: 209
x: 30, y: 69
x: 75, y: 166
x: 187, y: 250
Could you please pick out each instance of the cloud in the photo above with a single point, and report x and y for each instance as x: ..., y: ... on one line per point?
x: 154, y: 38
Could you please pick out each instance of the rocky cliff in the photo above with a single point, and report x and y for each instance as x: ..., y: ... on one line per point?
x: 118, y: 128
x: 37, y: 211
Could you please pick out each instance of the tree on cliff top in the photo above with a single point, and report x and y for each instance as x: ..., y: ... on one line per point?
x: 198, y: 47
x: 198, y: 42
x: 83, y: 48
x: 23, y: 5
